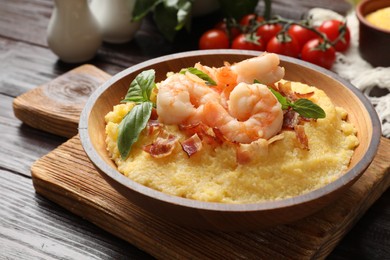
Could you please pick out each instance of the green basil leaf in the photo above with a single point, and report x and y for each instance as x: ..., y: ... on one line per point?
x: 131, y: 126
x: 172, y: 15
x: 166, y: 20
x: 282, y: 100
x: 143, y: 7
x: 209, y: 81
x: 141, y: 87
x: 308, y: 109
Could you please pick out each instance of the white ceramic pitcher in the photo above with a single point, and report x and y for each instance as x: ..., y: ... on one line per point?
x: 114, y: 17
x: 73, y: 33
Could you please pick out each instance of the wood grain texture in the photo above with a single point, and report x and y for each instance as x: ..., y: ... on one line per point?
x: 66, y: 177
x: 21, y: 145
x: 25, y: 20
x: 55, y: 107
x: 32, y: 227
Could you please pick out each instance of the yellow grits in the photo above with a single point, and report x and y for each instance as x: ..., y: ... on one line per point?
x: 285, y: 170
x: 380, y: 18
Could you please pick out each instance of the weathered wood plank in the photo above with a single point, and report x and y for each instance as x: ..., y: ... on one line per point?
x: 24, y: 67
x: 25, y: 20
x: 32, y: 227
x: 21, y: 145
x: 83, y: 191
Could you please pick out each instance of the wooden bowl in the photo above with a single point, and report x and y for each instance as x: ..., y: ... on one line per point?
x: 219, y: 216
x: 374, y: 42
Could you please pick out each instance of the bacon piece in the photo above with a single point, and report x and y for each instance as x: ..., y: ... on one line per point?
x: 154, y: 115
x: 210, y: 136
x: 213, y: 137
x: 302, y: 137
x: 162, y: 146
x: 219, y: 136
x: 286, y: 90
x: 152, y: 126
x: 290, y: 119
x: 198, y: 128
x: 192, y: 145
x: 304, y: 95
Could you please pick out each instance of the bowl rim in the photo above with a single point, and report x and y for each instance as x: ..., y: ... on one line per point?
x: 362, y: 18
x: 217, y: 206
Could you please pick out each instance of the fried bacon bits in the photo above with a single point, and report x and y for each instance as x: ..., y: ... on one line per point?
x: 301, y: 136
x: 192, y: 145
x: 162, y: 146
x: 207, y: 135
x: 291, y: 119
x: 152, y: 126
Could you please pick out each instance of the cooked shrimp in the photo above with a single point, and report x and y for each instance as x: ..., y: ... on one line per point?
x: 181, y: 97
x: 253, y: 113
x: 264, y: 68
x: 243, y: 111
x: 223, y: 76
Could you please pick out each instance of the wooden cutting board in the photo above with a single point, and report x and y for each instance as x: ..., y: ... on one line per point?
x: 67, y: 177
x: 55, y: 107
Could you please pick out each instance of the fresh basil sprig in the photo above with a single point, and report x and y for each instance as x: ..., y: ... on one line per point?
x: 135, y: 121
x: 141, y: 87
x: 131, y: 126
x: 302, y: 106
x: 282, y: 100
x: 209, y: 81
x: 308, y: 109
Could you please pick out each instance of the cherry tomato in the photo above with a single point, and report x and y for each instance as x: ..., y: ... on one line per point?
x: 234, y: 31
x: 301, y: 34
x: 284, y: 44
x: 316, y: 52
x: 213, y: 39
x: 332, y: 29
x: 248, y: 42
x: 246, y: 19
x: 267, y: 31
